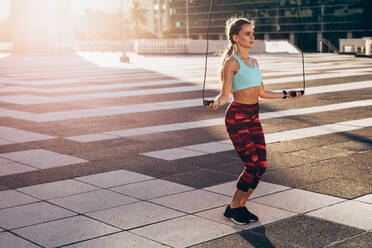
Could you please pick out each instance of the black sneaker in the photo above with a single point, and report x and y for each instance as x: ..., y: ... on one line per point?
x: 236, y: 215
x: 250, y: 216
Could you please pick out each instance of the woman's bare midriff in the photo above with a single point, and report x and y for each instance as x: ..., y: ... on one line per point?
x: 247, y: 96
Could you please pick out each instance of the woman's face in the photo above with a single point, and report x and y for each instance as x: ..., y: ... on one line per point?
x: 245, y: 38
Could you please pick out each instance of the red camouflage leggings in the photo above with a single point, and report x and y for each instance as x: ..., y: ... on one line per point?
x: 245, y: 131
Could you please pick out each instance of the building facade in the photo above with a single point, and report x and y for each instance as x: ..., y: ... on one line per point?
x: 276, y: 19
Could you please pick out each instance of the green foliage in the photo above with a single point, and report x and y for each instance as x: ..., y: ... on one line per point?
x: 95, y: 25
x: 138, y: 16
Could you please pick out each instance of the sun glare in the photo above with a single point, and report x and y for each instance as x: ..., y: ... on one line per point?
x: 79, y: 6
x: 4, y: 9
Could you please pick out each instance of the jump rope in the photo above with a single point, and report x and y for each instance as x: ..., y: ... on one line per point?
x: 292, y: 93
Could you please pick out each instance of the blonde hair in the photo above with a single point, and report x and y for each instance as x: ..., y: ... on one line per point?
x: 233, y: 26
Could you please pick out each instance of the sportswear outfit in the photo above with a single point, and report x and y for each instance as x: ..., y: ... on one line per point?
x: 244, y: 128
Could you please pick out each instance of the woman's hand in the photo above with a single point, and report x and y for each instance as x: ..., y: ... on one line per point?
x: 218, y: 102
x: 298, y: 94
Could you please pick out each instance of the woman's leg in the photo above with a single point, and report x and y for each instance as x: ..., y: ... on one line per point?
x: 249, y: 142
x: 246, y: 134
x: 240, y: 198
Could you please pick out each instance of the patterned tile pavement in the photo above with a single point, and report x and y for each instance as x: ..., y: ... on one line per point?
x: 123, y: 155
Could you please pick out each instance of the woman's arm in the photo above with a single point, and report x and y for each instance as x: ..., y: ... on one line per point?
x: 266, y: 93
x: 269, y: 94
x: 274, y: 95
x: 223, y: 97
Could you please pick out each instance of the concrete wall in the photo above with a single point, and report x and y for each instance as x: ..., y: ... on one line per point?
x: 355, y: 46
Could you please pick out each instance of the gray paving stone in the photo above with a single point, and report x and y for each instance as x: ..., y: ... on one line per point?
x: 119, y: 240
x: 57, y: 189
x: 280, y: 160
x: 211, y: 147
x: 91, y: 137
x: 156, y: 168
x: 14, y: 168
x: 234, y: 168
x: 329, y: 176
x: 348, y: 188
x: 184, y: 231
x: 93, y: 201
x: 4, y: 161
x: 244, y: 239
x: 304, y: 231
x: 359, y: 241
x: 114, y: 178
x: 8, y: 240
x: 310, y: 155
x: 4, y: 142
x: 332, y: 183
x: 42, y: 159
x: 11, y: 198
x: 315, y: 141
x: 18, y: 136
x: 352, y: 213
x: 366, y: 198
x: 173, y: 154
x: 193, y: 201
x: 210, y: 161
x: 31, y: 214
x: 151, y: 189
x: 65, y: 231
x: 201, y: 178
x: 350, y: 145
x: 265, y: 213
x: 135, y: 215
x: 299, y: 201
x: 263, y: 188
x: 223, y: 188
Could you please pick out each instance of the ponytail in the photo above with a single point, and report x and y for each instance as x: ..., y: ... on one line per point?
x: 225, y: 55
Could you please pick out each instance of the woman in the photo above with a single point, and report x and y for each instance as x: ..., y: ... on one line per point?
x: 241, y: 76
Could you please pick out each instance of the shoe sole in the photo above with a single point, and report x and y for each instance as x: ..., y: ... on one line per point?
x: 235, y: 221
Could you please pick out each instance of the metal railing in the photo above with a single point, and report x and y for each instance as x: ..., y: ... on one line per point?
x: 161, y: 46
x: 329, y: 45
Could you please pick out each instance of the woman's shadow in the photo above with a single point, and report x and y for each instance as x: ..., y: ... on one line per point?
x: 253, y: 238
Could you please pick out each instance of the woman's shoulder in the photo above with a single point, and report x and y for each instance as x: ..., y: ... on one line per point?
x: 232, y: 62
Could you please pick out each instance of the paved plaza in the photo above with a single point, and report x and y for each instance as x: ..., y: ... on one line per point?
x: 95, y: 153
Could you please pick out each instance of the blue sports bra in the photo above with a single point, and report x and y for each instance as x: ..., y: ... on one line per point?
x: 246, y: 77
